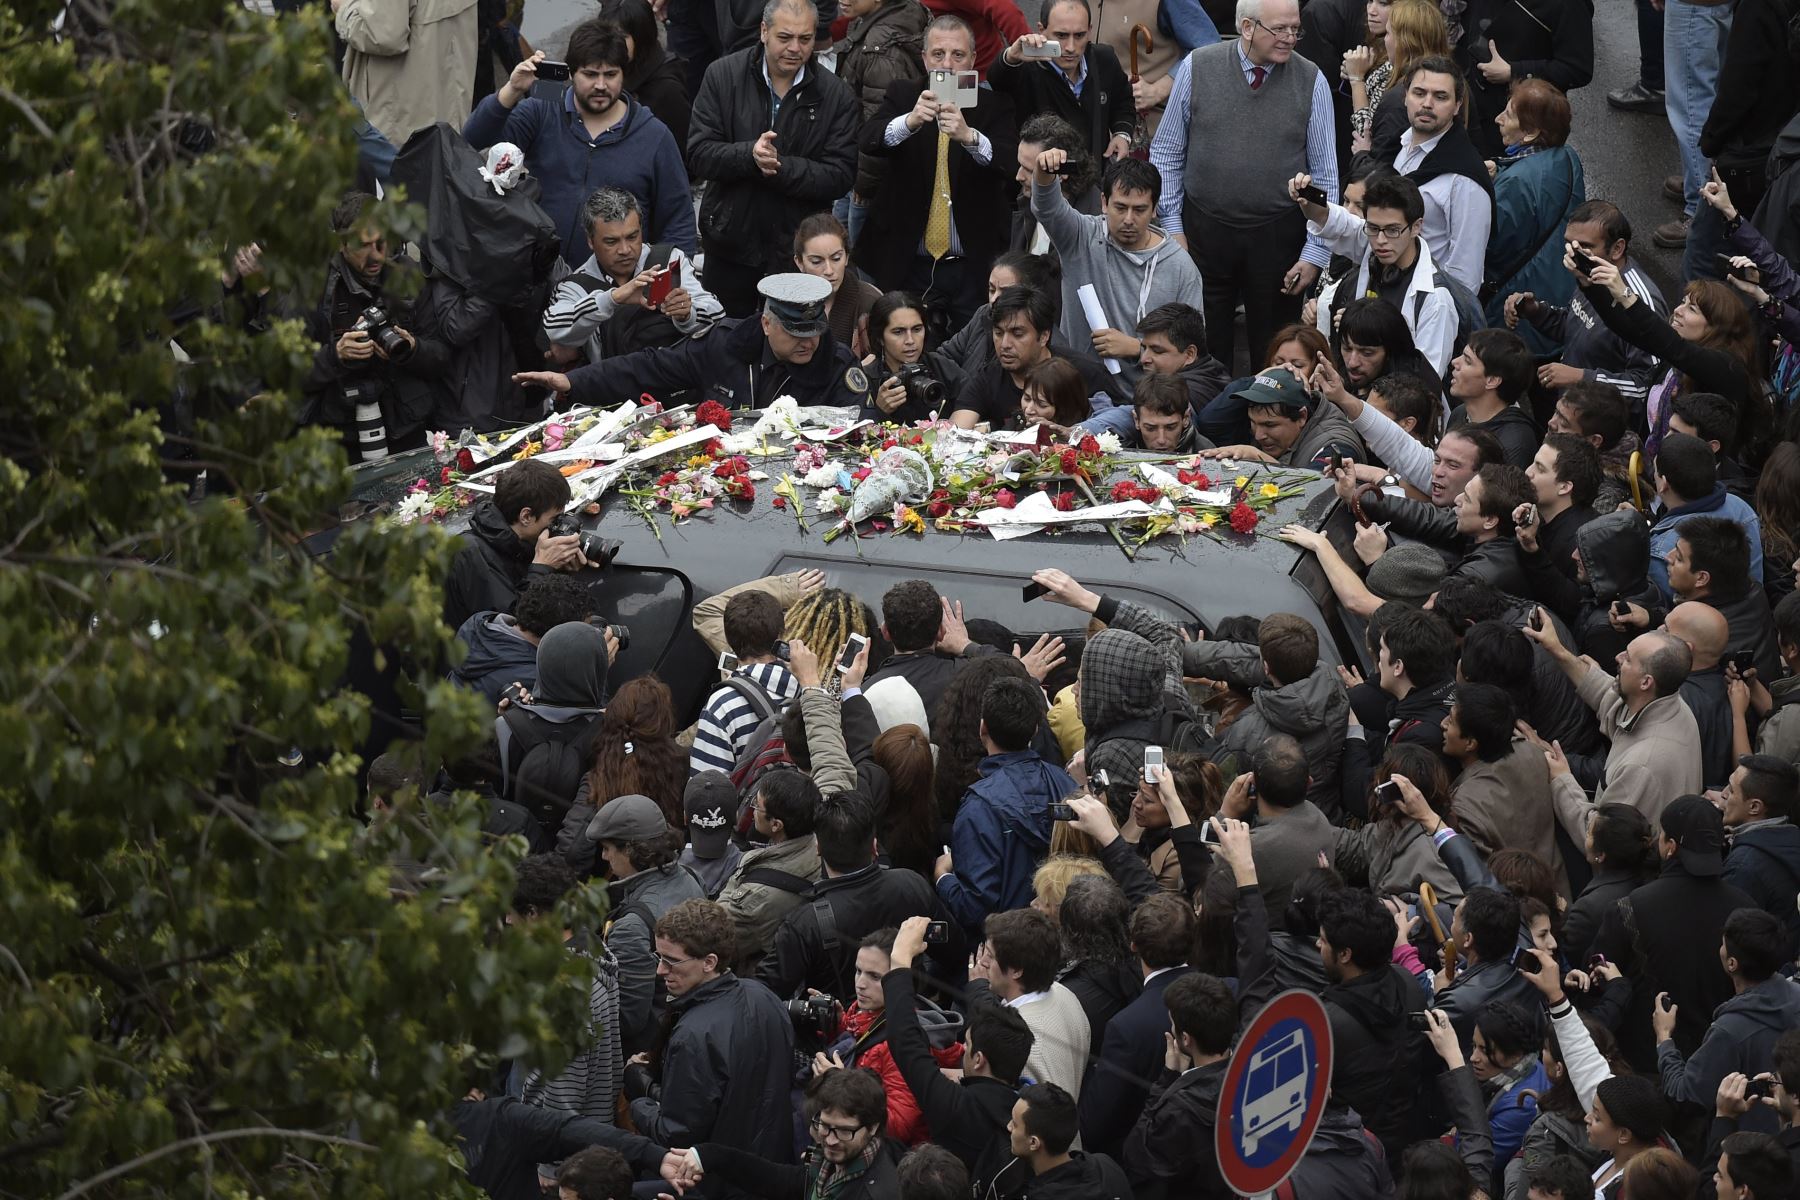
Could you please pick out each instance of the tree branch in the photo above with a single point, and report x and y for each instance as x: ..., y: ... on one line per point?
x: 30, y: 113
x: 205, y: 1139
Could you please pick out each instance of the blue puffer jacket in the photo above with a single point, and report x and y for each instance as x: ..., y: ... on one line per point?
x: 1534, y: 193
x: 1511, y: 1113
x: 1002, y: 833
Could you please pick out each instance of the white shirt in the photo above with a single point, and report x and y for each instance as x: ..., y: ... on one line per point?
x: 1027, y: 998
x: 1459, y: 215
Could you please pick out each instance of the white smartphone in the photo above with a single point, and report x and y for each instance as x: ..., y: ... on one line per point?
x: 961, y: 88
x: 1153, y: 764
x: 727, y: 662
x: 852, y: 648
x: 1047, y: 50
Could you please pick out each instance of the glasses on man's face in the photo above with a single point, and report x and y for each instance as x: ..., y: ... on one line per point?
x: 1386, y: 233
x: 841, y: 1133
x: 670, y: 964
x: 1281, y: 33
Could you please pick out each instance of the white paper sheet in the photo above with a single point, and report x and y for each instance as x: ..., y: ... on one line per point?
x: 1096, y: 318
x: 1037, y: 512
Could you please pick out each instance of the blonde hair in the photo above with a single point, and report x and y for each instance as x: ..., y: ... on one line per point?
x: 1051, y: 881
x: 1420, y: 31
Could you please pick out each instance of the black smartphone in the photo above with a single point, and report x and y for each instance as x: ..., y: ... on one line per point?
x: 1584, y: 262
x: 1033, y: 590
x: 1337, y: 462
x: 1621, y: 609
x: 1596, y: 960
x: 937, y: 932
x: 1537, y: 618
x: 1387, y: 795
x: 1524, y: 960
x: 1061, y: 810
x: 556, y: 71
x: 1756, y: 1089
x: 1064, y: 168
x: 1731, y: 270
x: 1418, y: 1022
x: 1314, y: 195
x: 1743, y: 660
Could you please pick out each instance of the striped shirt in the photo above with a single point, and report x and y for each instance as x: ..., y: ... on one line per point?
x: 729, y: 719
x: 591, y: 1082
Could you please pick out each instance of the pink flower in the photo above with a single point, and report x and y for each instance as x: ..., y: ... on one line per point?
x: 1005, y: 499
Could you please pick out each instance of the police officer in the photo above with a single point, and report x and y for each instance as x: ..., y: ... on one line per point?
x: 786, y: 351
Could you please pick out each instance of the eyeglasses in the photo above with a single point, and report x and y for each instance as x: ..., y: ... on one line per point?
x: 1281, y: 33
x: 672, y: 963
x: 841, y: 1133
x: 1385, y: 232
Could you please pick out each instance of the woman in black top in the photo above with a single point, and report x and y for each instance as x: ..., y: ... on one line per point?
x: 1708, y: 344
x: 898, y: 324
x: 655, y: 78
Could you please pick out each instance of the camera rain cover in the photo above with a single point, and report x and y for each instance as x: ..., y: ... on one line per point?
x: 497, y: 247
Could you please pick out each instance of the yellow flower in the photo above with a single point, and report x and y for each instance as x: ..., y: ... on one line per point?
x: 1242, y: 481
x: 659, y: 434
x: 698, y: 460
x: 908, y: 520
x: 1209, y: 519
x: 1270, y: 491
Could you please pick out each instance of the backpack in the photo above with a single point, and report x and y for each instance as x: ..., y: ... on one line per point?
x: 762, y: 750
x: 542, y: 762
x: 1470, y: 316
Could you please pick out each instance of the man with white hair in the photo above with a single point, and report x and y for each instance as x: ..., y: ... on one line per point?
x: 1243, y: 118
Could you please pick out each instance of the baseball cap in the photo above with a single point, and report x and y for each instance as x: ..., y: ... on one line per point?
x: 1276, y: 386
x: 1695, y: 824
x: 629, y: 818
x: 796, y: 302
x: 711, y: 804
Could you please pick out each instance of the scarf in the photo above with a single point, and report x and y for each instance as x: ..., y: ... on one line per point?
x: 833, y: 1180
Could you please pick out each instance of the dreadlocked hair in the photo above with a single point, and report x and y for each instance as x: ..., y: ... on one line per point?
x: 824, y: 620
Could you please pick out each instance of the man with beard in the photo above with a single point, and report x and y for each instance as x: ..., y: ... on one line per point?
x: 590, y: 136
x: 1024, y: 325
x: 1436, y: 154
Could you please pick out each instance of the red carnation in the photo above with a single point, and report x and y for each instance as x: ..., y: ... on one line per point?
x: 465, y: 460
x: 1069, y: 461
x: 713, y: 448
x: 748, y: 491
x: 781, y: 502
x: 667, y: 479
x: 1005, y: 499
x: 938, y: 508
x: 1064, y: 501
x: 917, y: 439
x: 888, y: 443
x: 860, y: 474
x: 1243, y: 517
x: 1124, y: 490
x: 444, y: 475
x: 713, y: 413
x: 1089, y: 444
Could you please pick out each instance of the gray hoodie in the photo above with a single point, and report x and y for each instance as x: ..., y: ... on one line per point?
x: 1129, y: 283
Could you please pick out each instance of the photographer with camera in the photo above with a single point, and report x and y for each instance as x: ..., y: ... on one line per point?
x: 861, y: 1037
x: 371, y: 377
x: 519, y: 532
x: 907, y: 383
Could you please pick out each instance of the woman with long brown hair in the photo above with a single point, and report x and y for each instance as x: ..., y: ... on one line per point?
x: 1778, y: 509
x: 908, y: 827
x: 635, y: 753
x: 1416, y: 30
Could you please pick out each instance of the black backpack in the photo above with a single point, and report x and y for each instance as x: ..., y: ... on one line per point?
x: 542, y: 762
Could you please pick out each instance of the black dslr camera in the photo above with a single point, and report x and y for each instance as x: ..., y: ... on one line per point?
x: 375, y: 322
x: 621, y: 633
x: 815, y: 1015
x: 596, y: 549
x: 922, y: 387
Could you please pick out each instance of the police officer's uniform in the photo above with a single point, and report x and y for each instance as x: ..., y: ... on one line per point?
x: 734, y: 363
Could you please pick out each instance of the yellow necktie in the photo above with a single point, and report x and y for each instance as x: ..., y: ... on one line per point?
x: 937, y: 225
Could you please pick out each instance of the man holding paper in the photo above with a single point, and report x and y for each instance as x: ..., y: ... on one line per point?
x: 1116, y: 267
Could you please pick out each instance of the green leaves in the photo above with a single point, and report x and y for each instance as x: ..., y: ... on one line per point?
x: 211, y: 974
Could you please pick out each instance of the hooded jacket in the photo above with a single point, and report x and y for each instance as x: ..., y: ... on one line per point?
x: 1130, y: 676
x: 1667, y: 530
x: 491, y: 568
x: 1344, y: 1160
x: 499, y: 655
x: 1615, y: 554
x: 967, y: 1117
x: 1169, y: 1153
x: 1742, y: 1038
x: 408, y: 389
x: 1083, y: 1177
x: 1765, y: 862
x: 1312, y: 710
x: 1326, y: 429
x: 869, y: 1049
x: 756, y: 908
x: 1206, y: 378
x: 545, y: 747
x: 1375, y: 1058
x: 1001, y: 834
x: 1505, y: 805
x: 726, y: 1071
x: 1127, y: 283
x: 639, y: 154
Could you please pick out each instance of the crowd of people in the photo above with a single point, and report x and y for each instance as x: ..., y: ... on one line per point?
x: 918, y: 907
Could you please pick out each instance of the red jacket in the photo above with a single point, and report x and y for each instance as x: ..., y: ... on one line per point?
x: 997, y: 25
x: 905, y: 1123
